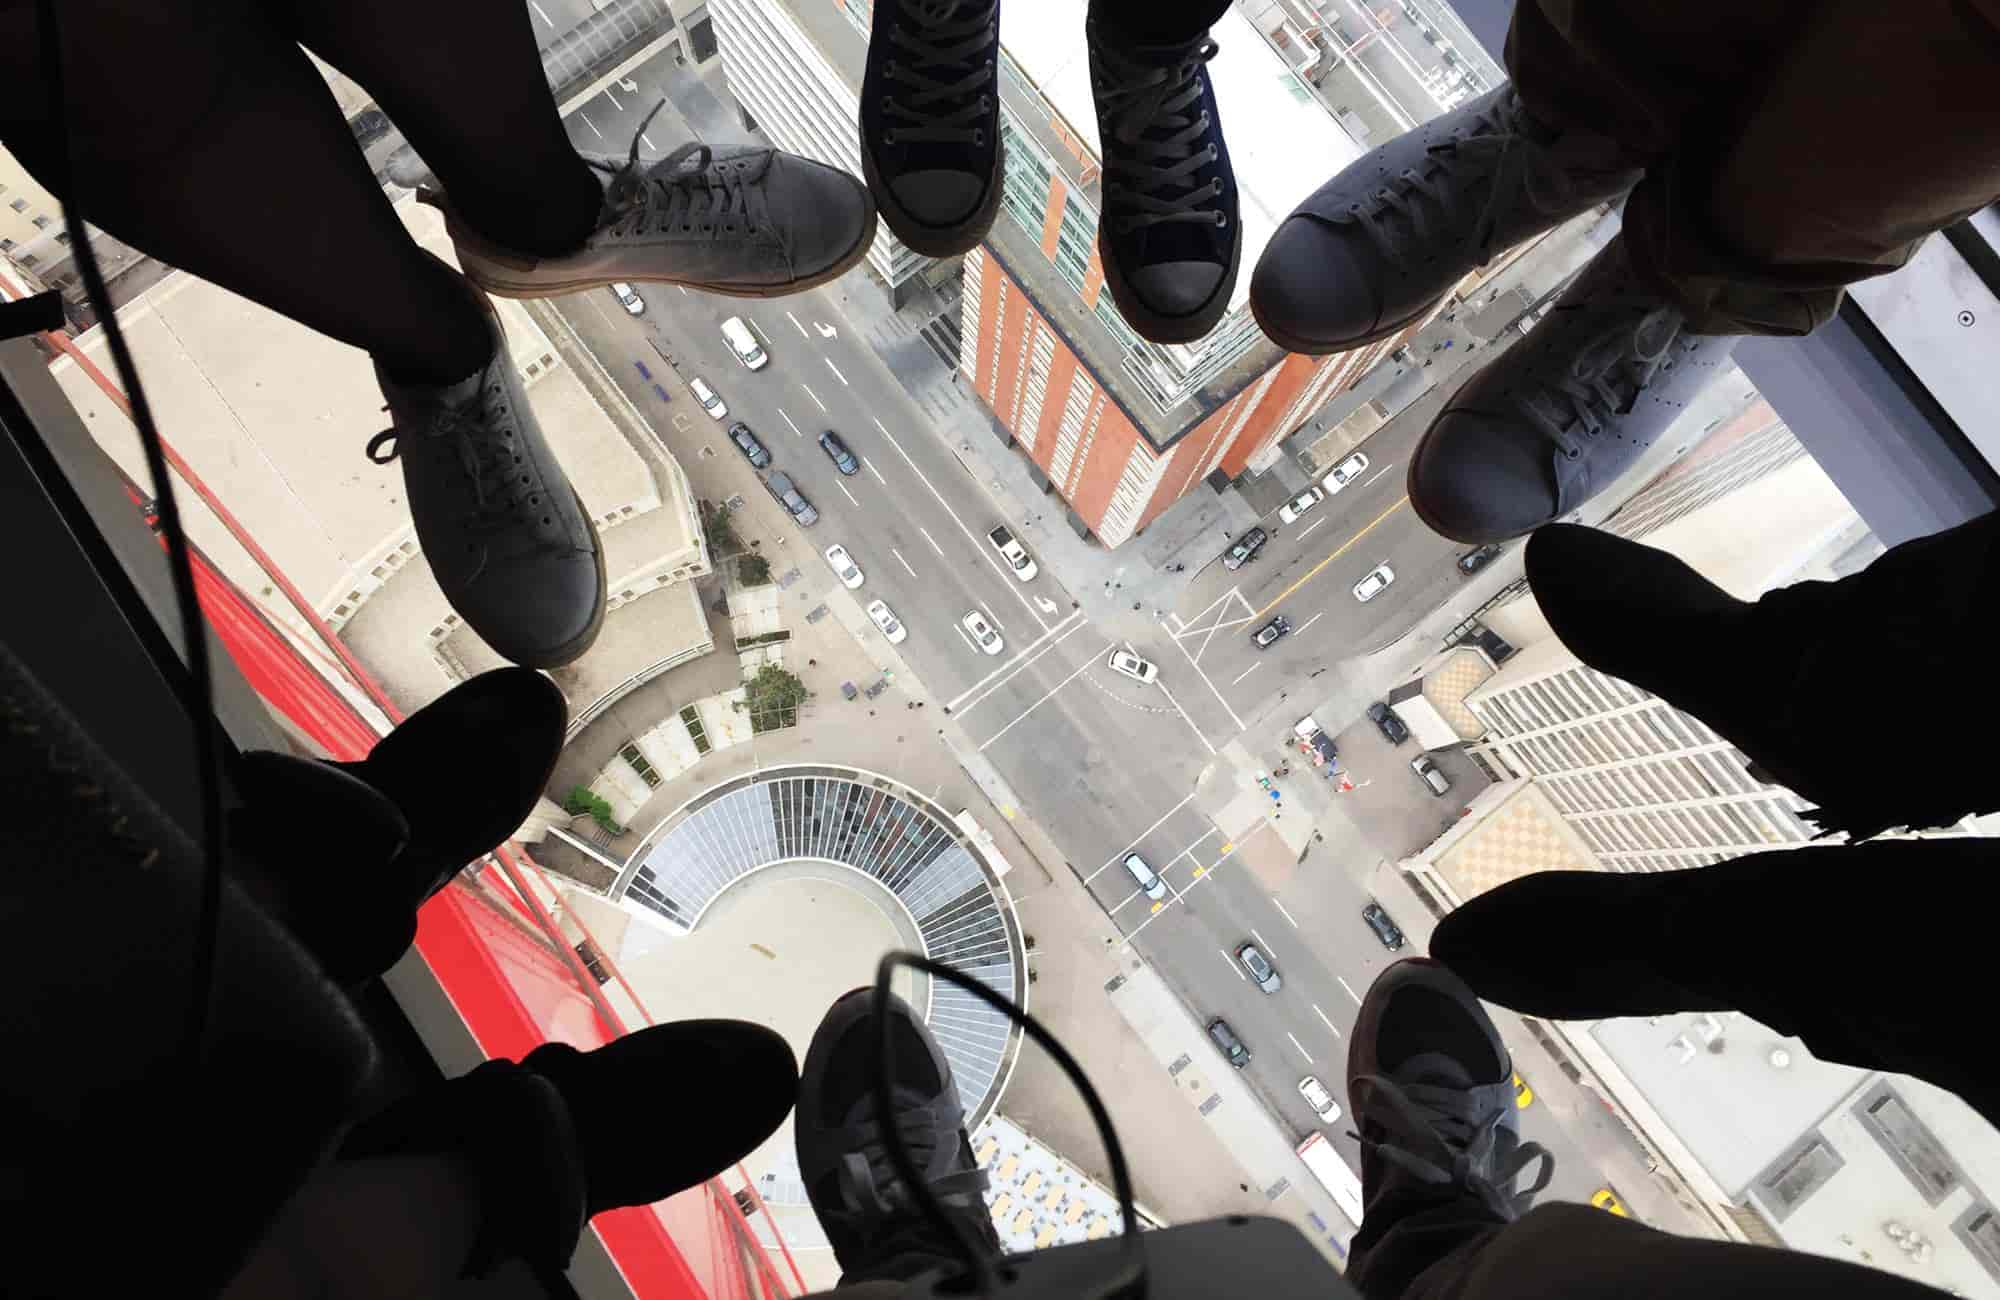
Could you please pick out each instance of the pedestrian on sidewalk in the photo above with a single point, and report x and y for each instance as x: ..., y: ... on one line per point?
x: 201, y: 134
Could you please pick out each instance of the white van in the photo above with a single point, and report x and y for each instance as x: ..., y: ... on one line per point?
x: 627, y: 298
x: 709, y: 399
x: 744, y: 344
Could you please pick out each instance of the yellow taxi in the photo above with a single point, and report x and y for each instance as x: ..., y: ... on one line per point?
x: 1606, y: 1199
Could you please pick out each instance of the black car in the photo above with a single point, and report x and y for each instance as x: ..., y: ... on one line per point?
x: 1478, y: 558
x: 1388, y: 723
x: 746, y: 442
x: 1244, y: 549
x: 1384, y: 928
x: 837, y: 452
x: 789, y: 496
x: 1228, y: 1043
x: 1267, y: 636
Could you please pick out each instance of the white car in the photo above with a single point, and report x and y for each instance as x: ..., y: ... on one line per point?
x: 1013, y: 552
x: 1375, y: 583
x: 628, y: 299
x: 982, y: 633
x: 1139, y: 670
x: 886, y: 619
x: 1299, y: 504
x: 844, y: 566
x: 710, y: 400
x: 1345, y: 472
x: 1319, y: 1099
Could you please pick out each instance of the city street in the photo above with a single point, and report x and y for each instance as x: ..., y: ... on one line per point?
x: 1103, y: 764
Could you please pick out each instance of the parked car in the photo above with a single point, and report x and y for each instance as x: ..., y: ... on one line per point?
x: 1429, y: 773
x: 1393, y: 729
x: 710, y: 400
x: 1244, y: 549
x: 1478, y: 558
x: 1375, y: 582
x: 1228, y: 1043
x: 1345, y: 472
x: 1262, y: 972
x: 1145, y: 877
x: 1384, y: 928
x: 1319, y: 1099
x: 1524, y: 1096
x: 746, y: 442
x: 885, y: 619
x: 628, y: 299
x: 844, y: 567
x: 1607, y: 1200
x: 1299, y: 504
x: 1011, y: 550
x: 837, y: 452
x: 1264, y: 637
x: 982, y: 632
x: 1139, y: 670
x: 789, y: 496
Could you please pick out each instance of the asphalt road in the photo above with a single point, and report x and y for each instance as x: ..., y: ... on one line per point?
x: 1105, y: 765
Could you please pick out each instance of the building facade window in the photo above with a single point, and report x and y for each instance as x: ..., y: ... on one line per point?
x: 1024, y: 192
x: 1073, y: 242
x: 1909, y: 1142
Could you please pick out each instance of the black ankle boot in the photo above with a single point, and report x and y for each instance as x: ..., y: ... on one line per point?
x: 1794, y: 678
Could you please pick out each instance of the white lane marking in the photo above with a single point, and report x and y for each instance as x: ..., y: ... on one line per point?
x: 1323, y: 1020
x: 592, y: 125
x: 989, y: 685
x: 1350, y: 992
x: 1235, y: 966
x: 835, y: 369
x: 900, y: 560
x: 876, y: 472
x: 932, y: 540
x: 1121, y: 902
x: 1302, y: 1051
x: 788, y: 420
x: 815, y: 396
x: 1246, y: 672
x: 844, y: 492
x: 795, y: 322
x: 683, y: 289
x: 1263, y: 943
x: 1314, y: 619
x: 1380, y: 472
x: 1304, y: 532
x: 542, y: 12
x: 1184, y: 717
x: 967, y: 639
x: 592, y: 300
x: 1119, y: 856
x: 985, y: 552
x: 653, y: 148
x: 1213, y: 689
x: 614, y: 99
x: 1282, y: 912
x: 1188, y: 852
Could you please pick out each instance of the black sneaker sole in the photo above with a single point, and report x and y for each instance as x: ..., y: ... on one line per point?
x: 928, y: 240
x: 1170, y: 329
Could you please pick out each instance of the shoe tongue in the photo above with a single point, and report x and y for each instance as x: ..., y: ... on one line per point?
x: 1434, y: 1069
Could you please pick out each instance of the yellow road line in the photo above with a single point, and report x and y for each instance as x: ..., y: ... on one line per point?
x: 1338, y: 551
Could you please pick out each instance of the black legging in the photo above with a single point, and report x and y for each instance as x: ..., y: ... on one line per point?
x: 201, y: 134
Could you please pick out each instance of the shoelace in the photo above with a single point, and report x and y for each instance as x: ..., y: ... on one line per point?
x: 1449, y: 1139
x: 869, y: 1183
x: 944, y: 62
x: 1521, y: 168
x: 1607, y: 375
x: 1141, y: 99
x: 687, y: 189
x: 486, y: 458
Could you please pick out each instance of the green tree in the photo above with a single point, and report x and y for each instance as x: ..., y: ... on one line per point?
x: 715, y: 521
x: 753, y: 570
x: 774, y: 698
x: 581, y: 801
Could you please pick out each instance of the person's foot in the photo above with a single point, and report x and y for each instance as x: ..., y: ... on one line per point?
x: 1646, y: 617
x: 1378, y: 246
x: 1560, y: 415
x: 866, y: 1209
x: 739, y: 220
x: 1169, y: 236
x: 504, y: 532
x: 930, y: 121
x: 1430, y: 1085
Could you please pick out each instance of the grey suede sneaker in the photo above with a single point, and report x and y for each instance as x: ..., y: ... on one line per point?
x: 1383, y: 242
x: 739, y: 220
x: 506, y: 537
x: 1560, y: 415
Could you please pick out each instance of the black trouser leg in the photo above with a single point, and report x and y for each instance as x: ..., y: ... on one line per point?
x: 202, y: 135
x: 1158, y: 22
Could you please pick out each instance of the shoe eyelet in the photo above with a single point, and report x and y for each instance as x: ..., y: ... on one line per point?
x: 985, y: 104
x: 1571, y: 453
x: 1221, y: 220
x: 1212, y: 154
x: 1215, y: 186
x: 979, y: 141
x: 889, y: 137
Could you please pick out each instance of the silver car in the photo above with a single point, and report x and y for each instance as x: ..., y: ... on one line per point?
x: 1262, y: 972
